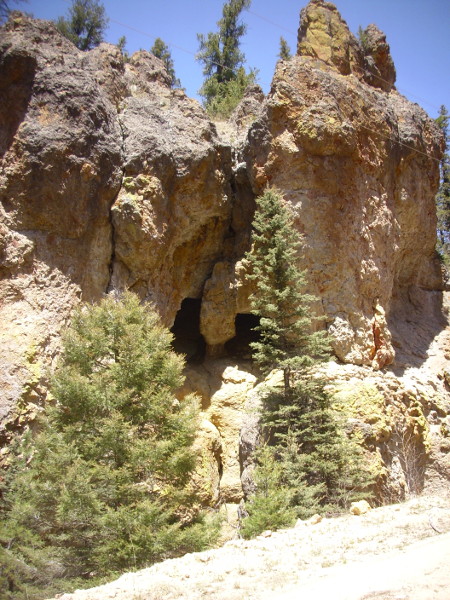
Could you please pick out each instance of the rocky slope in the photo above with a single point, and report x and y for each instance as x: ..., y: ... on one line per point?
x: 390, y: 552
x: 111, y: 180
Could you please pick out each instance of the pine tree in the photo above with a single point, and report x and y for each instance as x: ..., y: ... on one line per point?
x: 121, y: 44
x: 269, y: 507
x: 105, y: 485
x: 319, y: 465
x: 85, y: 24
x: 161, y: 51
x: 226, y: 78
x: 443, y: 195
x: 285, y: 51
x: 287, y: 341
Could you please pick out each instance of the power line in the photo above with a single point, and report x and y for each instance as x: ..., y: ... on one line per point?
x: 393, y: 139
x: 169, y: 43
x: 270, y: 21
x: 275, y: 24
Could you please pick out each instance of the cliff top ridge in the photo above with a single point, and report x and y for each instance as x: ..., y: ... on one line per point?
x: 324, y: 35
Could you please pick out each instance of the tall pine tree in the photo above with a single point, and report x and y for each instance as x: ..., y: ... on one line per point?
x: 285, y: 51
x: 320, y: 466
x: 85, y: 24
x: 226, y: 78
x: 287, y: 341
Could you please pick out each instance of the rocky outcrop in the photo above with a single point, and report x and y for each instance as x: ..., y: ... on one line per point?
x: 109, y: 180
x: 324, y: 35
x: 60, y: 172
x: 173, y: 212
x: 359, y: 167
x: 112, y: 180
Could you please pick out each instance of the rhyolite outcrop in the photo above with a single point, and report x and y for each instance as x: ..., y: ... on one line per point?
x: 112, y: 180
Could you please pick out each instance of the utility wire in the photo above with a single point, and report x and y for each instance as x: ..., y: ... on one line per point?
x: 172, y: 45
x: 252, y: 12
x: 149, y: 35
x: 396, y: 141
x: 152, y: 36
x: 262, y: 17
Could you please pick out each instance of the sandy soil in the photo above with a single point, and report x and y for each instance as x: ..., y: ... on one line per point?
x: 399, y: 552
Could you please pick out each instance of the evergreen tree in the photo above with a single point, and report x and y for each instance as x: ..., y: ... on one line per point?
x: 85, y: 24
x: 285, y: 51
x: 105, y: 485
x: 226, y: 78
x: 269, y: 507
x: 287, y: 341
x: 121, y: 44
x: 443, y: 195
x: 319, y: 465
x: 161, y: 51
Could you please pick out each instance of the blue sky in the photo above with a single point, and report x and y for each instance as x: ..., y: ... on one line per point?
x: 418, y: 32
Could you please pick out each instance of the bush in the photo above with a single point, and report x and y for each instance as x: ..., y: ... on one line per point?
x: 105, y: 485
x: 269, y: 507
x: 222, y: 98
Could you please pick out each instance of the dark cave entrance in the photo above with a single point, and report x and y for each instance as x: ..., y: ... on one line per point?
x: 239, y: 346
x: 186, y: 331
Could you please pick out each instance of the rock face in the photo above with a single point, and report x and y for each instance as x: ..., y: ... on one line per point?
x: 60, y: 172
x: 359, y: 167
x: 324, y: 35
x: 112, y: 180
x: 173, y: 211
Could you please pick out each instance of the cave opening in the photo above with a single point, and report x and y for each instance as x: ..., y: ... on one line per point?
x: 186, y: 331
x: 239, y: 346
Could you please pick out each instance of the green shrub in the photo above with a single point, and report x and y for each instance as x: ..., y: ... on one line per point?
x: 269, y: 507
x: 104, y: 486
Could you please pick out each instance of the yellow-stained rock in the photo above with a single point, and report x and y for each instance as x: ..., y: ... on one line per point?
x: 360, y: 508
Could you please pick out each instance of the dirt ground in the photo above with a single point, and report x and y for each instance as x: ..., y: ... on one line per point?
x: 420, y: 571
x: 398, y: 552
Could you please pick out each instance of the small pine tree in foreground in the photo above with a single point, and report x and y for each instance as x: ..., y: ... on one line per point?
x: 105, y: 486
x: 270, y: 508
x: 319, y: 466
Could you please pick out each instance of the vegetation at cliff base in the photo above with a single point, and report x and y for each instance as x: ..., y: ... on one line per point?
x: 305, y: 446
x: 105, y: 485
x: 225, y: 76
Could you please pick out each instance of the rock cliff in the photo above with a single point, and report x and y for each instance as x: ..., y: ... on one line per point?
x: 112, y: 180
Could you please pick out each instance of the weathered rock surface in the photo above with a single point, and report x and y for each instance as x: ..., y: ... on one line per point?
x: 173, y: 211
x: 359, y: 167
x: 109, y: 179
x: 60, y: 171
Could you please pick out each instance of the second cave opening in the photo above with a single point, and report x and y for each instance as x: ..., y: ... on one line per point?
x: 189, y: 341
x: 239, y: 346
